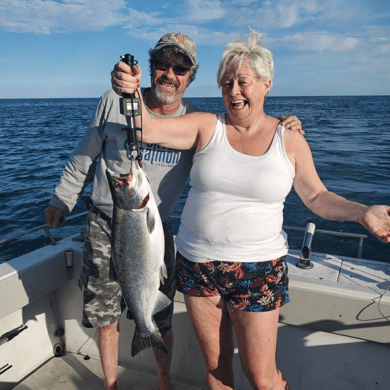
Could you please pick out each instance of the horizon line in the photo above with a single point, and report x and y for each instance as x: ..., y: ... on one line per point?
x: 193, y: 97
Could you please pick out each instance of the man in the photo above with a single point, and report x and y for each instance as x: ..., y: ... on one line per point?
x: 173, y: 67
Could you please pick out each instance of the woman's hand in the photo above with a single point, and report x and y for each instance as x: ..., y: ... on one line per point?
x: 125, y: 79
x: 376, y: 219
x: 291, y: 123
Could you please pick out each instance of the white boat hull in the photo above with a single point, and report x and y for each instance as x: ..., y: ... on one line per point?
x: 334, y: 334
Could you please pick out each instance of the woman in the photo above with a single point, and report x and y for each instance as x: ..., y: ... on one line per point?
x: 231, y: 245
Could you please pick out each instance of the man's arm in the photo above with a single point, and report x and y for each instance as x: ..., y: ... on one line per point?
x: 75, y: 176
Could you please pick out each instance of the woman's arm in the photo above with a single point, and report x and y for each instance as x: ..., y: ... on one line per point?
x: 188, y: 131
x: 326, y: 204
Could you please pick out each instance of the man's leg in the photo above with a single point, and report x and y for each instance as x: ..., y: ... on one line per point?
x: 102, y: 297
x: 164, y: 362
x: 108, y: 344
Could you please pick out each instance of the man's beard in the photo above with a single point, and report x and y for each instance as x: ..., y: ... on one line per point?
x: 161, y: 94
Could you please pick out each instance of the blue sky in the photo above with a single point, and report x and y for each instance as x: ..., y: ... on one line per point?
x: 67, y: 48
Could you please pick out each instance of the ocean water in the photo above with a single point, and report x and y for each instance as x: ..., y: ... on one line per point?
x: 349, y: 138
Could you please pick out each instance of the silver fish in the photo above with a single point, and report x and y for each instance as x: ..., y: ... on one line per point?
x: 138, y: 253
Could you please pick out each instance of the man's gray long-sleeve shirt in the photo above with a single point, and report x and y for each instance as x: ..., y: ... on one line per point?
x: 167, y: 169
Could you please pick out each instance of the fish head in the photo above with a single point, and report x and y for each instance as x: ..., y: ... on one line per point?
x: 129, y: 191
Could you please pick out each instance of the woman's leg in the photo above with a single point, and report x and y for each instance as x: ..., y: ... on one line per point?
x: 213, y: 329
x: 256, y: 335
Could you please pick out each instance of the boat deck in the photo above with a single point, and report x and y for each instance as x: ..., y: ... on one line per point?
x: 309, y: 359
x: 73, y: 372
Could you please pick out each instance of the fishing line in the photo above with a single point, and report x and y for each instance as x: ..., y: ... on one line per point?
x: 373, y: 302
x: 380, y: 299
x: 140, y: 128
x: 87, y: 357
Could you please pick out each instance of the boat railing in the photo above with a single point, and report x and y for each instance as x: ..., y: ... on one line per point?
x: 44, y: 227
x: 53, y: 241
x: 361, y: 237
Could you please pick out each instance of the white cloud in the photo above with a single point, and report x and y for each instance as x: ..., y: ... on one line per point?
x: 317, y: 41
x: 268, y: 14
x: 138, y: 19
x: 204, y: 10
x: 209, y: 22
x: 202, y: 36
x: 47, y: 16
x: 384, y: 48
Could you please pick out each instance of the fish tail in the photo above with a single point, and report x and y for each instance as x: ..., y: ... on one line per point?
x: 154, y: 340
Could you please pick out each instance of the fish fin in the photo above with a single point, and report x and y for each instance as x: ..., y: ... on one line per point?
x: 153, y: 340
x: 163, y: 273
x: 112, y: 272
x: 162, y: 301
x: 151, y: 221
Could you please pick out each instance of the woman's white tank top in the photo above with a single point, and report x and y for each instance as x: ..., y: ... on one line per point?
x: 234, y: 210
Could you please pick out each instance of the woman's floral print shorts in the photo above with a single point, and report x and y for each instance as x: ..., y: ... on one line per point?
x: 256, y: 287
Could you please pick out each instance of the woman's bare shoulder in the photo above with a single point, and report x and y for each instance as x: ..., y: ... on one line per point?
x: 294, y: 138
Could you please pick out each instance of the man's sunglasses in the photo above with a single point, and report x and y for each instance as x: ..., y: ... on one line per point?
x: 177, y: 69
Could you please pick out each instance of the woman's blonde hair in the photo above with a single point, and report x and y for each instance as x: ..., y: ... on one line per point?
x: 239, y: 50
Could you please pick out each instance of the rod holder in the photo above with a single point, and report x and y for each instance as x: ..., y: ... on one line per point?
x: 69, y: 259
x: 304, y: 259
